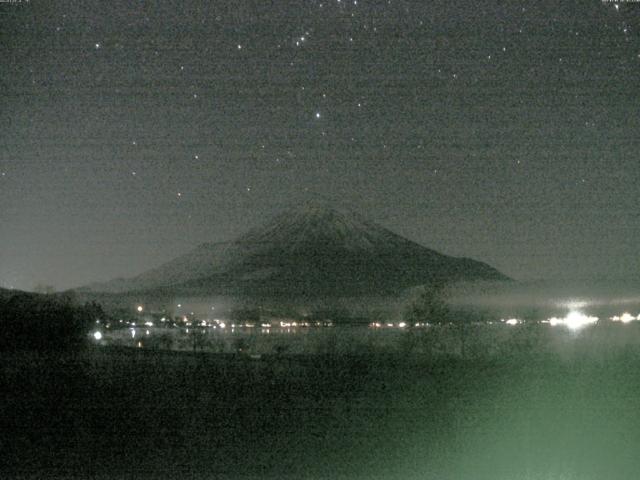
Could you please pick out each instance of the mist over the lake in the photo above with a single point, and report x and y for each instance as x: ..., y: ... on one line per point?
x: 542, y: 299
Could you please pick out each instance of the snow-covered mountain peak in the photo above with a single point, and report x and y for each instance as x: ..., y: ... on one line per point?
x: 319, y: 224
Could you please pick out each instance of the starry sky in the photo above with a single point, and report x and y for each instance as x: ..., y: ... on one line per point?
x: 132, y: 131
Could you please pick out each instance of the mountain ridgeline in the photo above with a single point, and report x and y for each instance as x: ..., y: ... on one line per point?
x: 308, y: 251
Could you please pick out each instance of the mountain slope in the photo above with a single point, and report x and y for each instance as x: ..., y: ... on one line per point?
x: 311, y: 250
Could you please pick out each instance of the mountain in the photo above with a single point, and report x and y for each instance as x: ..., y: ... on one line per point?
x: 6, y: 294
x: 311, y: 250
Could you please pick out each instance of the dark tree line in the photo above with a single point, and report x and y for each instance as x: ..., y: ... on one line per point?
x: 45, y: 322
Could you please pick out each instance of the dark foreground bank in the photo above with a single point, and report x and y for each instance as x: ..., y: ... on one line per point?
x: 116, y: 414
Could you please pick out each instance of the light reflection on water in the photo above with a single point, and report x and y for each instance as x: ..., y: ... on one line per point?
x: 562, y: 335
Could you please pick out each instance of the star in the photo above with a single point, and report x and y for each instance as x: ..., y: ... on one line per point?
x: 98, y: 45
x: 318, y: 115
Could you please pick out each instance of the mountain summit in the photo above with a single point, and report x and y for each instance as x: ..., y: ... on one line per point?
x: 310, y: 250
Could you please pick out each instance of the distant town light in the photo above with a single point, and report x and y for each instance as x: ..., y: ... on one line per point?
x: 626, y: 317
x: 574, y: 320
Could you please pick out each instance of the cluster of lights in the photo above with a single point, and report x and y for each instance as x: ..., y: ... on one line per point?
x: 398, y: 325
x: 574, y: 320
x: 624, y: 318
x: 289, y: 324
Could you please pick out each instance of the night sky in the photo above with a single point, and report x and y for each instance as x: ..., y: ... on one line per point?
x: 132, y: 131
